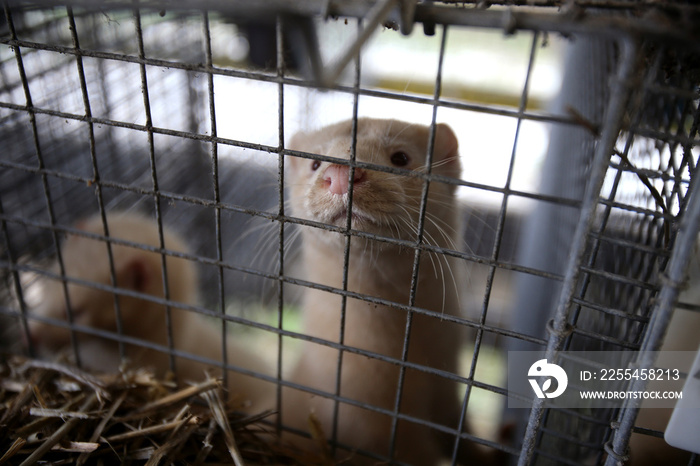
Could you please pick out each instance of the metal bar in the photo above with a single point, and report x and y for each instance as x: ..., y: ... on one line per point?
x: 560, y: 326
x: 44, y: 178
x: 428, y: 248
x: 608, y: 310
x: 678, y: 178
x: 348, y: 235
x: 102, y: 73
x: 299, y: 282
x: 217, y: 192
x: 266, y: 77
x: 281, y: 69
x: 508, y: 19
x: 673, y: 279
x: 238, y: 320
x: 9, y: 251
x: 587, y: 269
x: 154, y: 176
x: 280, y: 216
x: 376, y: 15
x: 266, y: 148
x: 96, y: 179
x: 497, y: 242
x: 420, y: 230
x: 17, y: 285
x: 687, y: 159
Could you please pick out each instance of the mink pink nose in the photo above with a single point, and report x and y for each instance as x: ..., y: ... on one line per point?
x: 337, y: 178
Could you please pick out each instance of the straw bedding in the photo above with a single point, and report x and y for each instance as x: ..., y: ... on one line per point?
x: 56, y: 413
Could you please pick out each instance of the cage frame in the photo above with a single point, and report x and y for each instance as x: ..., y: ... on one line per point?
x: 626, y: 33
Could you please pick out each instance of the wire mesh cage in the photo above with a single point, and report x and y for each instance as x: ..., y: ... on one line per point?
x: 194, y: 186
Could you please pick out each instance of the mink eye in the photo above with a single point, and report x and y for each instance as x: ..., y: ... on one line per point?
x: 399, y: 159
x: 315, y: 164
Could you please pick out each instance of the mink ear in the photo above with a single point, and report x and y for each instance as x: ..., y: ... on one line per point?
x: 447, y: 151
x: 134, y: 275
x: 312, y: 141
x: 296, y: 141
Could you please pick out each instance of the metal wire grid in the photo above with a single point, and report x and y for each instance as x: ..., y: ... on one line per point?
x: 615, y: 276
x: 283, y: 220
x: 155, y: 192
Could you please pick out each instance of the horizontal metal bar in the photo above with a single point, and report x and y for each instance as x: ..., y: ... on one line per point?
x: 275, y: 217
x: 508, y: 19
x: 620, y: 279
x: 638, y: 210
x: 4, y: 310
x: 640, y: 247
x: 610, y: 311
x: 238, y: 320
x: 604, y: 338
x: 275, y: 151
x: 274, y: 78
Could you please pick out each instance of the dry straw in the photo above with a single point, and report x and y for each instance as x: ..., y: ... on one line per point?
x: 59, y: 414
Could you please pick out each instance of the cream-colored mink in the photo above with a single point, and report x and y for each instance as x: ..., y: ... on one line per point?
x: 137, y: 271
x: 385, y: 204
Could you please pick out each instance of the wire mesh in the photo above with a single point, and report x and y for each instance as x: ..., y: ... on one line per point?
x: 88, y: 126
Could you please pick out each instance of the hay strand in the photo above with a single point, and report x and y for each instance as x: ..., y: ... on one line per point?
x: 56, y: 413
x: 220, y: 417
